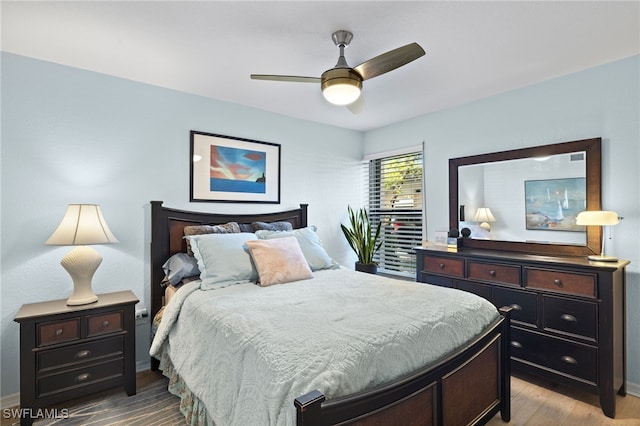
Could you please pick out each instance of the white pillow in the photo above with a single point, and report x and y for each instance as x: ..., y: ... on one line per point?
x: 279, y: 261
x: 310, y: 243
x: 223, y: 259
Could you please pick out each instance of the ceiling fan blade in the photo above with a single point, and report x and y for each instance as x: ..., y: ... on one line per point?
x: 292, y: 78
x: 356, y: 106
x: 389, y: 61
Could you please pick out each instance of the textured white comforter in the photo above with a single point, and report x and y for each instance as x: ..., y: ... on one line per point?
x: 247, y: 351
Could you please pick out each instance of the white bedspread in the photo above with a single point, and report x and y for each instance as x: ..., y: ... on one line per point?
x: 247, y: 351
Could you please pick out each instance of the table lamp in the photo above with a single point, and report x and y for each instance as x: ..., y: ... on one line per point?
x: 484, y: 215
x: 82, y: 225
x: 599, y: 218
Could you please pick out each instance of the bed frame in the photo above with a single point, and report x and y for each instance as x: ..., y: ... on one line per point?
x: 468, y: 387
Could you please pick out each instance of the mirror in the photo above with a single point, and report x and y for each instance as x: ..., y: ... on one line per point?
x: 533, y: 195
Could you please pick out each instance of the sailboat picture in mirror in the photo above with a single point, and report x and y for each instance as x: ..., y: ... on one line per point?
x: 553, y: 204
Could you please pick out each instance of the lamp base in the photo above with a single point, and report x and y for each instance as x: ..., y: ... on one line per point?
x: 602, y: 258
x: 81, y: 263
x: 485, y: 226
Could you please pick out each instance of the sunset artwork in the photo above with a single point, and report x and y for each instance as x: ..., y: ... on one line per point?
x: 237, y: 170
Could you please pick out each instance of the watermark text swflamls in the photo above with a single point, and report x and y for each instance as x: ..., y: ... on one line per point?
x: 35, y: 413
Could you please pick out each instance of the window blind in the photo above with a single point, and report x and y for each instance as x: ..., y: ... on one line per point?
x: 394, y: 195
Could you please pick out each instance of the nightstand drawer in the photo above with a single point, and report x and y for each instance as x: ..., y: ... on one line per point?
x: 494, y: 273
x: 79, y: 377
x: 560, y: 355
x: 524, y: 304
x: 564, y: 282
x: 570, y: 316
x: 82, y: 352
x: 444, y: 266
x: 103, y: 324
x: 58, y: 332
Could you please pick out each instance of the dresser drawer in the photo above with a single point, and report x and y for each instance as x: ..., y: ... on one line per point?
x: 565, y: 357
x: 494, y: 273
x: 104, y: 323
x: 58, y: 331
x: 482, y: 290
x: 444, y: 266
x: 570, y: 316
x: 564, y: 282
x: 81, y: 352
x: 524, y: 304
x: 64, y: 381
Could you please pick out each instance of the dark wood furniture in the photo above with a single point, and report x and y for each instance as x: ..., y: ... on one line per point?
x: 592, y: 150
x: 70, y: 351
x: 469, y: 386
x: 568, y: 323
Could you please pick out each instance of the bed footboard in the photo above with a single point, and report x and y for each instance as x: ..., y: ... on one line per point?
x: 467, y: 388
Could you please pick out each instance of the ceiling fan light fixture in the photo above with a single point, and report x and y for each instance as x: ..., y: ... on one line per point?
x: 341, y: 86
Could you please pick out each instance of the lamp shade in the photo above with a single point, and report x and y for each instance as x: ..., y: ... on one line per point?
x: 597, y: 218
x: 82, y: 224
x: 483, y: 214
x: 341, y: 86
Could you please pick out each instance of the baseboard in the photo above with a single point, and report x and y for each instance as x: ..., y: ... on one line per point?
x: 10, y: 400
x: 633, y: 389
x: 143, y: 365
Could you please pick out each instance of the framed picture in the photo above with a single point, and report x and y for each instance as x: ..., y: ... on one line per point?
x: 553, y: 204
x: 234, y: 170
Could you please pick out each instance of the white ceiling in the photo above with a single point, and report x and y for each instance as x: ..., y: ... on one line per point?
x: 474, y: 49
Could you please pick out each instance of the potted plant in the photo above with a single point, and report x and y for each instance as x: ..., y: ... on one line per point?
x: 362, y: 239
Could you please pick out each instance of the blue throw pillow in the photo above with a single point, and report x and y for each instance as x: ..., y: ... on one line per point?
x: 310, y: 243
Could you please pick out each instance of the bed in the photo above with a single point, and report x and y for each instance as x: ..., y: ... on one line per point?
x: 464, y: 378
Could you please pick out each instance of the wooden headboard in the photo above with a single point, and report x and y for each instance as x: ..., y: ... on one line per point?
x: 167, y: 231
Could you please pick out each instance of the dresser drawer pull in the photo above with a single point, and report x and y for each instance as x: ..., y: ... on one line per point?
x: 567, y: 317
x: 516, y: 307
x: 82, y: 354
x: 59, y: 332
x: 516, y: 344
x: 83, y: 377
x: 105, y: 323
x: 441, y: 266
x: 492, y: 273
x: 569, y: 360
x: 557, y: 282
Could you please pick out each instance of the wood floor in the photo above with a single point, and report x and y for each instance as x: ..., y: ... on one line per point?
x: 533, y: 403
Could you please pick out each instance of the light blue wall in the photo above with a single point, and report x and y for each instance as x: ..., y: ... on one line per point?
x: 72, y: 136
x: 600, y: 102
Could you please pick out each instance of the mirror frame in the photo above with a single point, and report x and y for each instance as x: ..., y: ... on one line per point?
x: 592, y: 147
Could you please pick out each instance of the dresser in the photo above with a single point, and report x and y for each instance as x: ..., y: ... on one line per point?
x: 71, y: 351
x: 568, y: 318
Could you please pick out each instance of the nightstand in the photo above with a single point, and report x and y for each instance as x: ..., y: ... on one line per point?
x: 70, y: 351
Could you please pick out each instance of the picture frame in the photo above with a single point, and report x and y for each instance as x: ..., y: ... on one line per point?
x: 553, y: 204
x: 441, y: 238
x: 233, y: 170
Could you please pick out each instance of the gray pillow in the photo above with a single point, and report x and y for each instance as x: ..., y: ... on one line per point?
x: 180, y: 266
x: 273, y: 226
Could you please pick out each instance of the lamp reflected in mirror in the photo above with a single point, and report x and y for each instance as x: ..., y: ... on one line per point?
x: 599, y: 218
x: 484, y: 215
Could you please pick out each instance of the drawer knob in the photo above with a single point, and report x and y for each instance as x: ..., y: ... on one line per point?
x: 59, y: 332
x: 567, y: 317
x: 569, y: 360
x: 492, y: 273
x: 105, y: 323
x: 516, y: 344
x: 441, y: 266
x: 516, y: 307
x: 557, y: 282
x: 82, y: 377
x: 82, y: 354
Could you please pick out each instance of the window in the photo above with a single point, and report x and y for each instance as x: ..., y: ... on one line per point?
x: 395, y: 200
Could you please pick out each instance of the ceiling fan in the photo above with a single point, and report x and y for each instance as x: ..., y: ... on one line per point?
x: 341, y: 85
